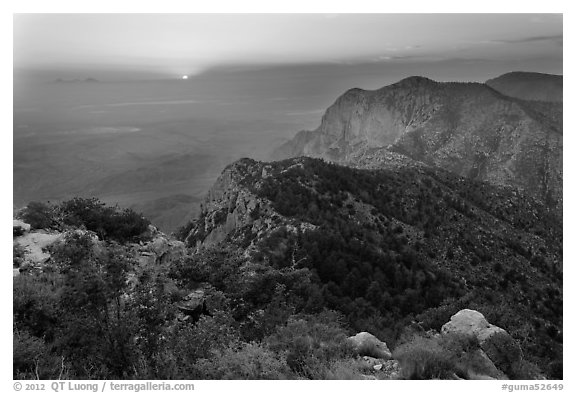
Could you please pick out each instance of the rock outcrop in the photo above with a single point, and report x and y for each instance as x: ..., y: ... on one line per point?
x: 19, y: 227
x: 471, y: 323
x: 366, y: 344
x: 160, y: 249
x: 231, y: 206
x: 194, y: 305
x: 495, y: 343
x: 35, y: 244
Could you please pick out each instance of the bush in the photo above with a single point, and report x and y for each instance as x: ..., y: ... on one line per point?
x: 32, y: 359
x: 190, y: 343
x: 35, y: 303
x: 556, y: 369
x: 108, y: 222
x: 244, y: 361
x: 523, y: 369
x: 311, y: 343
x: 39, y: 215
x: 348, y: 369
x: 503, y: 350
x: 425, y: 358
x: 76, y: 248
x: 18, y: 254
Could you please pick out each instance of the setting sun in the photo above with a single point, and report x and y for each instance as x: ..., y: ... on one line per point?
x: 184, y: 77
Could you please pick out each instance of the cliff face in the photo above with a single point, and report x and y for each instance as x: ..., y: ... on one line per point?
x: 467, y: 128
x: 233, y: 211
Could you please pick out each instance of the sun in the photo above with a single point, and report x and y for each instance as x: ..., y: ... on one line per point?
x: 184, y: 77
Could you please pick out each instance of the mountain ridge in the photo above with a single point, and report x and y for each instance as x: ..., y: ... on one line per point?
x: 336, y: 221
x: 468, y: 128
x: 534, y: 86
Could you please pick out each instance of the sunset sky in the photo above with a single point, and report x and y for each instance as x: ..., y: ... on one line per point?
x: 467, y: 46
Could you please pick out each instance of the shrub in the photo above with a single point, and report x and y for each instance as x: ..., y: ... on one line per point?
x: 18, y: 253
x: 503, y: 350
x: 343, y: 369
x: 523, y: 369
x: 555, y: 369
x: 32, y: 358
x: 108, y: 222
x: 243, y: 361
x: 39, y: 215
x: 311, y: 343
x: 425, y: 358
x: 76, y: 248
x: 190, y: 343
x: 35, y: 303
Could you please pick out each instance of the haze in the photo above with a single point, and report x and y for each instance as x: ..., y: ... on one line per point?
x: 144, y: 137
x: 172, y: 45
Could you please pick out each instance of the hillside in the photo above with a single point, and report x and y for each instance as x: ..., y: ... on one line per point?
x: 389, y: 246
x: 299, y: 269
x: 466, y: 128
x: 532, y: 86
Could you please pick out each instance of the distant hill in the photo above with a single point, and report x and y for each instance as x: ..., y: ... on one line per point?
x: 466, y: 128
x: 76, y: 80
x: 531, y: 86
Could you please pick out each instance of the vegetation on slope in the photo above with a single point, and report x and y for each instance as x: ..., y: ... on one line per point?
x: 394, y: 246
x: 394, y: 253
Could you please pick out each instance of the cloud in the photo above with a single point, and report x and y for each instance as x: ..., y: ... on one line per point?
x: 558, y: 39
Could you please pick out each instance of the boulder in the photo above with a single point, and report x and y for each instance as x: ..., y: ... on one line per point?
x: 499, y: 347
x: 19, y: 227
x: 471, y: 323
x: 194, y: 305
x: 366, y: 344
x: 162, y: 250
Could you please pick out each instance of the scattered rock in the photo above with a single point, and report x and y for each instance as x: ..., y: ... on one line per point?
x: 390, y: 370
x: 366, y: 344
x: 370, y: 361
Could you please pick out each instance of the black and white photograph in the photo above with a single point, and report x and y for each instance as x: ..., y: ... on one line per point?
x: 287, y: 196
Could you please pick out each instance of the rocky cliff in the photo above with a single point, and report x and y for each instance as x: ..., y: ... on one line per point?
x: 467, y: 128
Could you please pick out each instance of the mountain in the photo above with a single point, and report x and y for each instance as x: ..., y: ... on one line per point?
x: 532, y: 86
x: 469, y: 129
x: 422, y: 240
x: 396, y: 244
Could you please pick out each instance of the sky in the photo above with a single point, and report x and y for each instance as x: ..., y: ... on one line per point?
x: 464, y: 46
